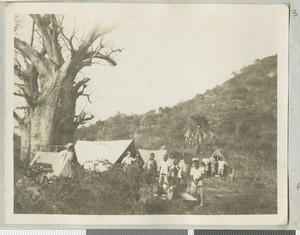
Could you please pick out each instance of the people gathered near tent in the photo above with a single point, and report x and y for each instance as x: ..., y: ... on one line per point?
x: 173, y: 173
x: 151, y: 168
x: 128, y: 159
x: 197, y: 175
x: 67, y: 156
x: 164, y: 171
x: 213, y: 166
x: 206, y: 164
x: 183, y: 173
x: 170, y: 171
x: 221, y: 165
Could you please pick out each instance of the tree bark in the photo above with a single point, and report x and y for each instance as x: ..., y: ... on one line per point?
x: 48, y: 82
x: 24, y: 126
x: 52, y: 121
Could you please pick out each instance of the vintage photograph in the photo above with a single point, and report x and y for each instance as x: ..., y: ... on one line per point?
x: 148, y: 109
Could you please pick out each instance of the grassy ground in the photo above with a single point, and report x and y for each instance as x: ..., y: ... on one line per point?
x: 223, y: 196
x: 246, y: 194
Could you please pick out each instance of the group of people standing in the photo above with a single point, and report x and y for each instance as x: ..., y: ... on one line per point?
x: 168, y: 172
x: 213, y: 166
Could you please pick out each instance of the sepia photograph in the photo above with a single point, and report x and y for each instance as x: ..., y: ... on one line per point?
x: 172, y: 111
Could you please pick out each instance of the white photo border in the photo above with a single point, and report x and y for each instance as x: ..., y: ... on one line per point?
x: 281, y: 218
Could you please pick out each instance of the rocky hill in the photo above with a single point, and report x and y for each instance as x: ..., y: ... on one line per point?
x: 241, y: 116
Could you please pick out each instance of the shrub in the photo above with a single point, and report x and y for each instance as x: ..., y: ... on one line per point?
x: 240, y: 93
x: 111, y: 192
x: 228, y: 126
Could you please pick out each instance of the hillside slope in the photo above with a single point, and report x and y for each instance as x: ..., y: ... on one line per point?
x: 242, y: 110
x: 241, y: 114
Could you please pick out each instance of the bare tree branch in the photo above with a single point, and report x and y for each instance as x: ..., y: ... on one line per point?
x: 22, y: 107
x: 77, y: 119
x: 79, y: 84
x: 19, y: 72
x: 86, y: 95
x: 19, y: 120
x: 42, y: 24
x: 106, y: 58
x: 68, y: 41
x: 29, y: 84
x: 82, y: 118
x: 19, y: 84
x: 18, y: 23
x: 32, y: 34
x: 50, y: 36
x: 18, y: 94
x: 27, y: 96
x: 41, y: 63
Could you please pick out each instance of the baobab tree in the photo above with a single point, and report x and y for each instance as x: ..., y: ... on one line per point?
x: 46, y: 69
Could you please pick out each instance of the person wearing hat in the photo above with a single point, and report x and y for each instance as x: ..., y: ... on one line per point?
x: 64, y: 168
x: 197, y: 174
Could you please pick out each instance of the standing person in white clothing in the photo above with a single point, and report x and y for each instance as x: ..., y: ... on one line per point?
x: 197, y: 175
x: 128, y: 160
x: 65, y: 168
x: 164, y: 171
x: 221, y: 166
x: 183, y: 173
x: 206, y: 162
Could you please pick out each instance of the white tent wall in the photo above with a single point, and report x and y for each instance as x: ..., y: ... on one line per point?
x: 112, y: 151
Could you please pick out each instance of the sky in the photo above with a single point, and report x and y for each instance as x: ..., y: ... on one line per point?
x: 171, y: 52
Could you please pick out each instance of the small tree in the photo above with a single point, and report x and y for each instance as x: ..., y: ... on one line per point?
x: 197, y: 130
x: 46, y: 68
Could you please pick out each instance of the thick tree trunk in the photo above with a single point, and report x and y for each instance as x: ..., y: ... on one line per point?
x: 52, y: 122
x: 65, y: 114
x: 48, y: 81
x: 25, y: 142
x: 41, y: 126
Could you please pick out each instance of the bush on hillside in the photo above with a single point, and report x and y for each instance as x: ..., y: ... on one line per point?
x: 112, y: 192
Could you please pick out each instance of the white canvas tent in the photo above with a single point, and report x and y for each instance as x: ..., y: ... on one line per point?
x: 221, y: 153
x: 51, y: 158
x: 54, y: 160
x: 89, y: 152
